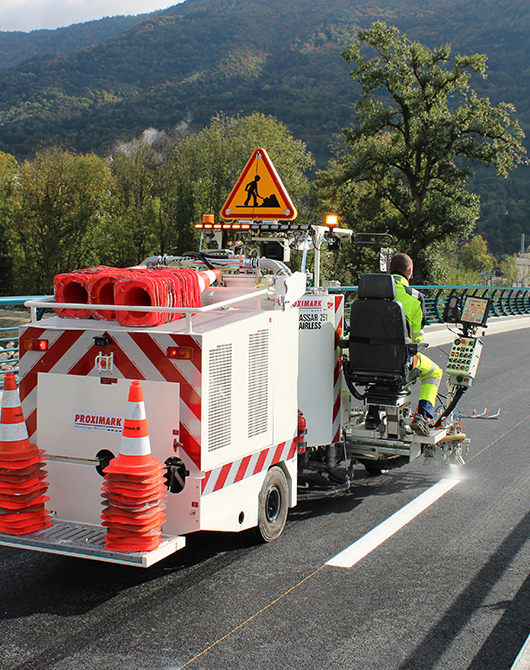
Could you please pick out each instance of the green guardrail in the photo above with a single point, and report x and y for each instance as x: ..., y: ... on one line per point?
x: 505, y: 301
x: 9, y: 351
x: 9, y: 357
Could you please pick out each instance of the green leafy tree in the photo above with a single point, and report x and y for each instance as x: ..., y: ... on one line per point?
x: 175, y: 183
x: 130, y: 230
x: 61, y: 200
x: 420, y: 128
x: 475, y: 255
x: 8, y: 172
x: 510, y: 272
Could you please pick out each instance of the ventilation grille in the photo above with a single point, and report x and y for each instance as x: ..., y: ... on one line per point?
x: 258, y: 383
x: 220, y: 397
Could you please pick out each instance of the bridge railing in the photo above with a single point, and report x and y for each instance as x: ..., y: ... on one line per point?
x: 505, y: 301
x: 9, y: 351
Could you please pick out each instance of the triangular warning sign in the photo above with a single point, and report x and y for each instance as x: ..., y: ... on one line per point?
x: 259, y: 193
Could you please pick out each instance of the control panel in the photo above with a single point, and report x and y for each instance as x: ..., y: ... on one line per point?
x: 463, y: 361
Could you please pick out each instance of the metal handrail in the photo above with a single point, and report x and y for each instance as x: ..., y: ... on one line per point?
x: 505, y: 300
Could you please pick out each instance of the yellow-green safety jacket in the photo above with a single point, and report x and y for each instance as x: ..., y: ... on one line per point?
x: 413, y: 305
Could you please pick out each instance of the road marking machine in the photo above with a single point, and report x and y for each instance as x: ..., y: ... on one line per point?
x: 206, y: 392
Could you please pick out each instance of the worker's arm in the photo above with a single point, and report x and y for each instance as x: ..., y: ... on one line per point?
x: 417, y: 317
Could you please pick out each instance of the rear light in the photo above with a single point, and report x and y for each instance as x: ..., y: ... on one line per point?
x: 180, y: 353
x: 36, y: 345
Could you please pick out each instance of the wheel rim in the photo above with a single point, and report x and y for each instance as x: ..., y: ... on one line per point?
x: 273, y: 504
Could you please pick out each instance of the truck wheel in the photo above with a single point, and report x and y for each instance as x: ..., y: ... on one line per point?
x: 273, y: 506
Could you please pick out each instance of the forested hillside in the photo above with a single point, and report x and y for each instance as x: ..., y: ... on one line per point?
x: 279, y: 57
x: 17, y: 46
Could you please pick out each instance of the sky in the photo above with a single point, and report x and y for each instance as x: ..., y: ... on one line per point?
x: 29, y: 15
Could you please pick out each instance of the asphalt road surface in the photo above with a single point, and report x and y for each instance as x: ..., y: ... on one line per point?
x: 450, y: 590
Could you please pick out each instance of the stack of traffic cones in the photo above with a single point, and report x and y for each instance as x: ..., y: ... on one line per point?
x: 22, y: 485
x: 134, y: 489
x: 136, y: 286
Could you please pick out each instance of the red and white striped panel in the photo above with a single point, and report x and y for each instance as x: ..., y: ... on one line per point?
x: 136, y: 355
x: 337, y: 377
x: 229, y: 474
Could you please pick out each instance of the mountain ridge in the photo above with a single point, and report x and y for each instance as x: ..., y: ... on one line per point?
x: 17, y: 46
x: 181, y: 66
x: 200, y: 57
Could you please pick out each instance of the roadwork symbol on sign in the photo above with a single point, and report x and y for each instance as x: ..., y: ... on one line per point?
x: 259, y: 193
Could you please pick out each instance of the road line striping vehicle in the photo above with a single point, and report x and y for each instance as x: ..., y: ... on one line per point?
x: 243, y: 396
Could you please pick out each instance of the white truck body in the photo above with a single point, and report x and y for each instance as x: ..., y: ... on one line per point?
x: 230, y: 413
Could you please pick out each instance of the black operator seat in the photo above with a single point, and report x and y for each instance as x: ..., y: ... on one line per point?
x: 380, y: 350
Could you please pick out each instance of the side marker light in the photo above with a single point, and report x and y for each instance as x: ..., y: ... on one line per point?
x: 36, y: 345
x: 180, y: 353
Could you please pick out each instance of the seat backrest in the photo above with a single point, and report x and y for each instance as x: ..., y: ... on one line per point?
x: 378, y: 329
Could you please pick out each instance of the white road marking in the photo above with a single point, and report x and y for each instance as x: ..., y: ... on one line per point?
x: 522, y: 662
x: 364, y: 545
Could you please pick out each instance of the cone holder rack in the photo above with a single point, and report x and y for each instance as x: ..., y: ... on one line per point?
x: 49, y: 303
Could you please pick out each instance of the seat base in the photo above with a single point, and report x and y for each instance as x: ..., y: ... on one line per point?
x: 384, y: 395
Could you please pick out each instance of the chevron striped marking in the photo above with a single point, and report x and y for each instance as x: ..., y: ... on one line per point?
x: 231, y: 473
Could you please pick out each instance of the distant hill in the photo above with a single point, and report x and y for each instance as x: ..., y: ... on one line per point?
x: 184, y: 65
x: 17, y: 47
x: 279, y: 57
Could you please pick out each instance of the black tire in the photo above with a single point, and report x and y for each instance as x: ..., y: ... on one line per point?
x: 273, y: 506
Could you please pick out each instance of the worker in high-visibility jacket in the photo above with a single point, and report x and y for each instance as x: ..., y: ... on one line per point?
x: 430, y: 374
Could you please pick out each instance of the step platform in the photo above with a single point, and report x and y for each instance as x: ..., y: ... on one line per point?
x: 69, y: 538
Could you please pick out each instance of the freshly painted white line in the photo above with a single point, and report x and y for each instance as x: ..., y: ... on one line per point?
x: 522, y: 662
x: 364, y: 545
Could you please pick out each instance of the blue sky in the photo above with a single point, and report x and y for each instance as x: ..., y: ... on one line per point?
x: 29, y: 15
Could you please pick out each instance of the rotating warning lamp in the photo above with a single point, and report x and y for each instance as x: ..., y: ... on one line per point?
x: 334, y: 242
x: 332, y: 221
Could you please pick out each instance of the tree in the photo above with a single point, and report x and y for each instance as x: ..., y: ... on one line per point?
x: 8, y: 171
x: 61, y: 201
x: 130, y: 230
x: 475, y: 255
x: 510, y: 271
x: 419, y: 129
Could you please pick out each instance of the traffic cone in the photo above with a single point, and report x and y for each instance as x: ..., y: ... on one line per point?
x: 22, y: 474
x: 134, y: 490
x: 207, y: 277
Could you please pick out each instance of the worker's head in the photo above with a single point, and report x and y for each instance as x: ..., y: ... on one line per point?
x: 401, y: 264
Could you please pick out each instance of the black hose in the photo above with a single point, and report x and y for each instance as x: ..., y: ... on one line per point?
x: 459, y: 393
x: 201, y: 256
x: 218, y: 253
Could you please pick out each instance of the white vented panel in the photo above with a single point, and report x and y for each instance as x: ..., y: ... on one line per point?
x: 220, y: 397
x: 258, y: 383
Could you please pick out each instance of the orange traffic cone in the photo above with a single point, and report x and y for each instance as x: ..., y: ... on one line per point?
x: 134, y: 490
x: 207, y: 277
x: 22, y: 485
